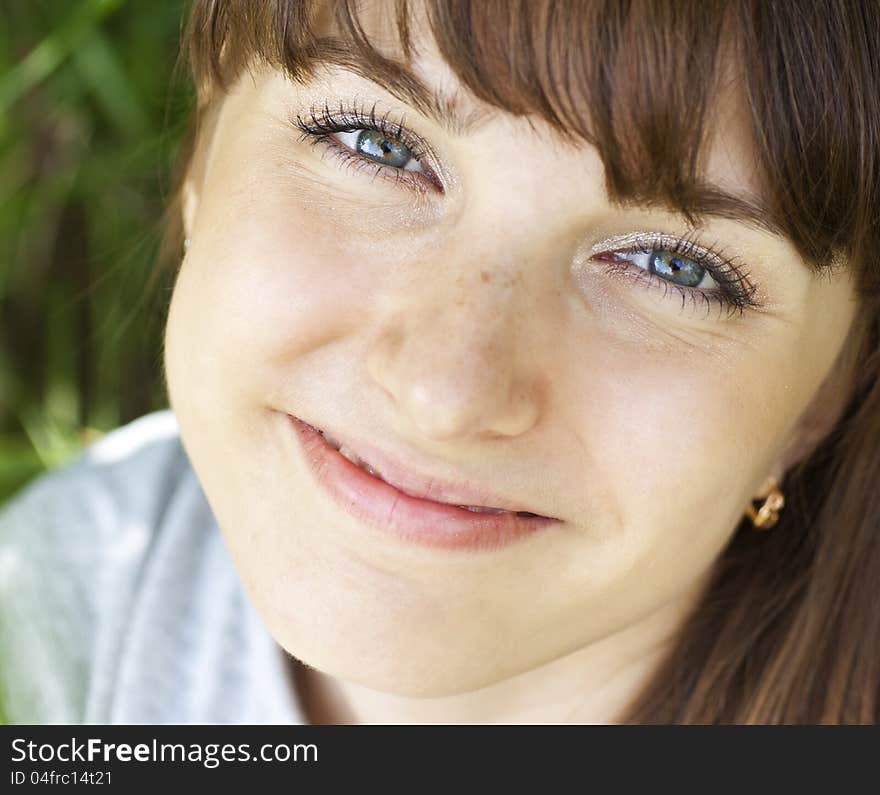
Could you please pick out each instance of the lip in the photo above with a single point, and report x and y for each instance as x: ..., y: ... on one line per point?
x: 407, y: 516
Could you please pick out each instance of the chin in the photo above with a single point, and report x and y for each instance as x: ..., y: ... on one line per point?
x: 405, y: 675
x: 391, y: 650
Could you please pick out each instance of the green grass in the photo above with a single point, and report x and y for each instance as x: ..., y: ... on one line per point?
x: 89, y: 127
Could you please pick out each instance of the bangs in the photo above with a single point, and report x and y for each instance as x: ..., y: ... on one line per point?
x: 636, y: 80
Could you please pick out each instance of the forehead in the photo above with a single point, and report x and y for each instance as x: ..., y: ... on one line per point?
x: 725, y: 182
x: 382, y: 29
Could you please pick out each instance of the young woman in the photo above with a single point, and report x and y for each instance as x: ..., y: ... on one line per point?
x: 522, y: 364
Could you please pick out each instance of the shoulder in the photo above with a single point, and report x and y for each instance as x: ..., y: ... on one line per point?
x: 119, y: 602
x: 73, y: 543
x: 109, y: 497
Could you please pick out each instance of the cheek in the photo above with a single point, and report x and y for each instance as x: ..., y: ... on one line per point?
x: 670, y: 448
x: 247, y: 306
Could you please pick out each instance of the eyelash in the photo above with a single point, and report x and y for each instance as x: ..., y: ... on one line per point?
x: 322, y: 123
x: 735, y: 292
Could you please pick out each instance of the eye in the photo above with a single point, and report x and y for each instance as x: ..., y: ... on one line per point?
x: 364, y: 141
x: 672, y: 267
x: 383, y: 148
x: 680, y: 267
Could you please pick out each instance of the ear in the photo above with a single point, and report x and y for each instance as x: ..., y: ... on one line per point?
x: 823, y: 412
x: 191, y: 194
x: 193, y: 184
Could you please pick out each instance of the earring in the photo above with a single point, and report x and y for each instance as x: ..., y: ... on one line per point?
x: 186, y: 243
x: 768, y: 514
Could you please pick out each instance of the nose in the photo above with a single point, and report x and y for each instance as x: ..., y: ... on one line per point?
x: 451, y: 356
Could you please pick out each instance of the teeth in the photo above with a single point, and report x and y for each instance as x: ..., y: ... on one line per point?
x: 331, y: 441
x: 351, y: 456
x: 477, y: 509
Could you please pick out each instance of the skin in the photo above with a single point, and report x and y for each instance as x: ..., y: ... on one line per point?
x: 472, y: 332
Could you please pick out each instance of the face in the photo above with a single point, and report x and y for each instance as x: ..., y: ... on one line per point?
x: 495, y: 331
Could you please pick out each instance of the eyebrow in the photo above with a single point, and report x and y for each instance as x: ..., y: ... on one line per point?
x: 705, y: 199
x: 402, y: 82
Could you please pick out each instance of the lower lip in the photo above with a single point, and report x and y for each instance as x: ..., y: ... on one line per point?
x: 425, y: 522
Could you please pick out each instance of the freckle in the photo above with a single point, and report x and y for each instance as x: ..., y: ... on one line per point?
x: 485, y: 277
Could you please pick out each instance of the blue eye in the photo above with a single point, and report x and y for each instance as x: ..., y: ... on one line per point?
x: 680, y: 266
x: 361, y: 140
x: 679, y: 269
x: 373, y: 143
x: 672, y: 267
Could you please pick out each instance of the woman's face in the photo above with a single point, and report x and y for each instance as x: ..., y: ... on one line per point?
x: 475, y: 334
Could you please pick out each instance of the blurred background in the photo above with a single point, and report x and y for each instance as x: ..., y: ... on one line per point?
x: 90, y: 124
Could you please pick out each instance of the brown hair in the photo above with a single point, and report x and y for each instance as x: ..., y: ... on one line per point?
x: 788, y: 629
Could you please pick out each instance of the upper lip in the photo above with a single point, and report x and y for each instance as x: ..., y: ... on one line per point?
x: 413, y: 480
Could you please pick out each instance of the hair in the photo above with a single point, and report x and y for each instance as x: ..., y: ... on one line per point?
x: 787, y: 630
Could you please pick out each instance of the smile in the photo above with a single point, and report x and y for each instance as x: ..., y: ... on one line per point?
x: 362, y: 489
x: 358, y: 461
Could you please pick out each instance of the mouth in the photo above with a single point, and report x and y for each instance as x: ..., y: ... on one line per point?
x: 355, y: 459
x: 367, y: 489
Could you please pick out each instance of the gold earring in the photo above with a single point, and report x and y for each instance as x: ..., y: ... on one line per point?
x: 768, y: 514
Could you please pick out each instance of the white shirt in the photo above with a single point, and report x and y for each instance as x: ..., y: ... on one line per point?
x: 119, y: 602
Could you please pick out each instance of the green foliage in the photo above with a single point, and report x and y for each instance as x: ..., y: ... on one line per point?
x: 90, y: 123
